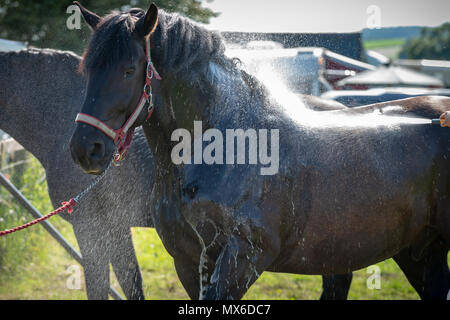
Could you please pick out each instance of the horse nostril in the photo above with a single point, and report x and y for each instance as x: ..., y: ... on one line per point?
x: 97, y: 151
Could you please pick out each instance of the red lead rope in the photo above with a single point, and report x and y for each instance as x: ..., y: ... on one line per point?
x: 68, y: 205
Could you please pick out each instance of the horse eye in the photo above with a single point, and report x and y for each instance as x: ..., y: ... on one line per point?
x: 129, y: 72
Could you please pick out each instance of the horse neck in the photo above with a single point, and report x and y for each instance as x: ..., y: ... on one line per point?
x: 38, y: 107
x: 219, y: 98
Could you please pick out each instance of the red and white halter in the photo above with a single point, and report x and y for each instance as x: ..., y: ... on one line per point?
x: 123, y: 136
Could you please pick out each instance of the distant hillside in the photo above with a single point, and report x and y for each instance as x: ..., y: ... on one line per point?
x: 391, y: 33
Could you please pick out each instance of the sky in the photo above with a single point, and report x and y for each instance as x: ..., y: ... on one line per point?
x: 324, y: 15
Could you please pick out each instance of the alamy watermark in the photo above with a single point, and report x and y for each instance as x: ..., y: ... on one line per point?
x: 234, y: 150
x: 74, y: 20
x: 374, y: 19
x: 73, y: 282
x: 374, y: 280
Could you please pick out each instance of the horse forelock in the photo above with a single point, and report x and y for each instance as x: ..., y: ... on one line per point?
x: 111, y: 41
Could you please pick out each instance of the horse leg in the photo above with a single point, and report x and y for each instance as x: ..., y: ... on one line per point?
x: 237, y: 267
x: 336, y: 287
x: 125, y: 264
x: 442, y: 222
x: 92, y: 245
x: 430, y: 276
x: 189, y: 277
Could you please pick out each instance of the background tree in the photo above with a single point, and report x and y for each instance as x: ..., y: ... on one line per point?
x: 433, y: 43
x: 43, y: 23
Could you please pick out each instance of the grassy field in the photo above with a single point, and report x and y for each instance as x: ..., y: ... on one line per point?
x: 374, y: 44
x: 33, y: 266
x: 387, y: 47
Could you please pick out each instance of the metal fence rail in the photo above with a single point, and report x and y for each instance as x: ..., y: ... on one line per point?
x: 48, y: 226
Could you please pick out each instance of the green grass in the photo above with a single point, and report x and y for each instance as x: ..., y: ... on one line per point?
x: 383, y: 43
x: 34, y: 266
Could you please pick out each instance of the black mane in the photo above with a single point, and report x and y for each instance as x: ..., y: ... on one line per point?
x: 181, y: 43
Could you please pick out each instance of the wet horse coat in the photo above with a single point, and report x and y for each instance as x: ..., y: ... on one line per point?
x: 345, y: 196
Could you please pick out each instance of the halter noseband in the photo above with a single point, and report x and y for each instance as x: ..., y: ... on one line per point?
x: 123, y: 136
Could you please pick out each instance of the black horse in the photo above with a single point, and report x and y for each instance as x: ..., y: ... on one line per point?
x: 345, y: 195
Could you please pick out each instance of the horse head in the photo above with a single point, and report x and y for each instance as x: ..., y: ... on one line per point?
x: 118, y: 68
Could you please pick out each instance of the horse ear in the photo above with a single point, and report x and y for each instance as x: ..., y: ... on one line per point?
x: 91, y: 18
x: 147, y: 24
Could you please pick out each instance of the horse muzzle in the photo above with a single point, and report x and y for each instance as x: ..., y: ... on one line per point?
x: 90, y: 151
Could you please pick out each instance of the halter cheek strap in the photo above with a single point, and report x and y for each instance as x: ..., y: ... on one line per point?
x: 123, y: 136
